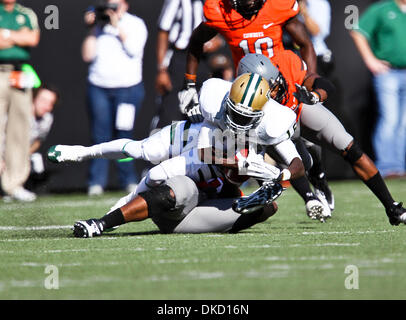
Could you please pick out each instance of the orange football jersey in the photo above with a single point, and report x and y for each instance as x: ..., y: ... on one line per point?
x: 294, y: 70
x: 262, y: 34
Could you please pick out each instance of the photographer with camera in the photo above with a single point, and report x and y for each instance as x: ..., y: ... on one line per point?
x: 114, y: 49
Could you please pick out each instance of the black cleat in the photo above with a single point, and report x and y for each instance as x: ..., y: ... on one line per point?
x: 396, y: 214
x: 88, y: 228
x: 267, y: 193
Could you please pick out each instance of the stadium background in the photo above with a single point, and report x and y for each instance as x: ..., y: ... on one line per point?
x: 58, y: 61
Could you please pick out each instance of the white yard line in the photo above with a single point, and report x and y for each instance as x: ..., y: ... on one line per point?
x: 33, y: 228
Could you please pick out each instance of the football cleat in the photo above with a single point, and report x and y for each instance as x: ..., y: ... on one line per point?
x: 88, y: 228
x: 396, y: 214
x: 322, y: 190
x: 317, y: 211
x: 267, y: 193
x: 63, y: 153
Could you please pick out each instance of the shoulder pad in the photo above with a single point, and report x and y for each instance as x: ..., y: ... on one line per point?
x: 211, y: 97
x: 278, y: 120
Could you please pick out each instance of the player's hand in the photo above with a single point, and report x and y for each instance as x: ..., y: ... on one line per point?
x: 188, y: 96
x: 193, y: 112
x: 255, y: 166
x: 305, y: 96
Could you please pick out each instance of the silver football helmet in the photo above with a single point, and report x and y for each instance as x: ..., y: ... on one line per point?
x: 260, y: 64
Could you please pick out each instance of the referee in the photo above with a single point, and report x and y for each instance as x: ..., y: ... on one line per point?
x: 177, y: 20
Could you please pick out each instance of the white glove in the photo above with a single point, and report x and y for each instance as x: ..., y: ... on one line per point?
x: 188, y: 96
x: 255, y: 166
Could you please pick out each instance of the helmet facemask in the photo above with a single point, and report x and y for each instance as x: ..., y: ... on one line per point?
x: 279, y: 89
x: 240, y: 119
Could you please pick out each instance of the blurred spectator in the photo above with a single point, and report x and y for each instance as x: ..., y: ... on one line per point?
x: 176, y: 23
x: 44, y: 100
x: 380, y: 40
x: 114, y: 48
x: 316, y: 16
x: 19, y: 31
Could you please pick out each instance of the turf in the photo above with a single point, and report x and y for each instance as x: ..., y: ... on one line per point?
x: 287, y: 257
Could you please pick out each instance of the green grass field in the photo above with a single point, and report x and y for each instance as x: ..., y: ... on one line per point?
x: 287, y: 257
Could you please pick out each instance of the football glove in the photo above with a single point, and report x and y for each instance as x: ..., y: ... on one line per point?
x: 306, y: 96
x: 189, y: 100
x: 193, y: 112
x: 255, y: 166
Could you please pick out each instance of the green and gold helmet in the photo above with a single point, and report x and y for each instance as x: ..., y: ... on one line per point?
x: 243, y: 106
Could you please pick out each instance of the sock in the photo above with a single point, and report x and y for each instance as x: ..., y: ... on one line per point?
x: 113, y: 219
x: 317, y: 169
x: 109, y: 150
x: 380, y: 190
x: 302, y: 186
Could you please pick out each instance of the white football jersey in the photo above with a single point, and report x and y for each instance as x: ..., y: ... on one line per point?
x: 277, y: 125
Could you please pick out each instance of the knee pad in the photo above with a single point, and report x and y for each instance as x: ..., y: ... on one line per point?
x: 156, y: 176
x: 354, y: 153
x: 159, y: 199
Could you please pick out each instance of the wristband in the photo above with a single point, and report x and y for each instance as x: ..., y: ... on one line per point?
x: 286, y: 175
x: 191, y: 77
x: 318, y: 95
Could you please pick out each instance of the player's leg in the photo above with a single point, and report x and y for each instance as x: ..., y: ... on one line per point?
x: 166, y: 205
x: 321, y: 126
x: 317, y: 176
x: 149, y: 149
x: 76, y: 153
x: 217, y: 215
x: 315, y: 208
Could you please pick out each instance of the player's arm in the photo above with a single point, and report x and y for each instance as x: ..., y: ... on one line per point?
x: 298, y: 32
x: 188, y: 98
x: 200, y: 36
x: 287, y: 151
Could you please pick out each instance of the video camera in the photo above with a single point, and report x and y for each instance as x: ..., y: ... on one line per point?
x: 100, y: 11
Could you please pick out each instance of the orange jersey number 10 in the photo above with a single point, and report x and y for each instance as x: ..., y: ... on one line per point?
x: 261, y: 46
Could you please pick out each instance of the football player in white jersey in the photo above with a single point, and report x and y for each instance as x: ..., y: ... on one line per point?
x: 175, y: 204
x: 227, y: 107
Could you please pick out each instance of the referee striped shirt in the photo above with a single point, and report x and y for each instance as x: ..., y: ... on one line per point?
x: 179, y: 18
